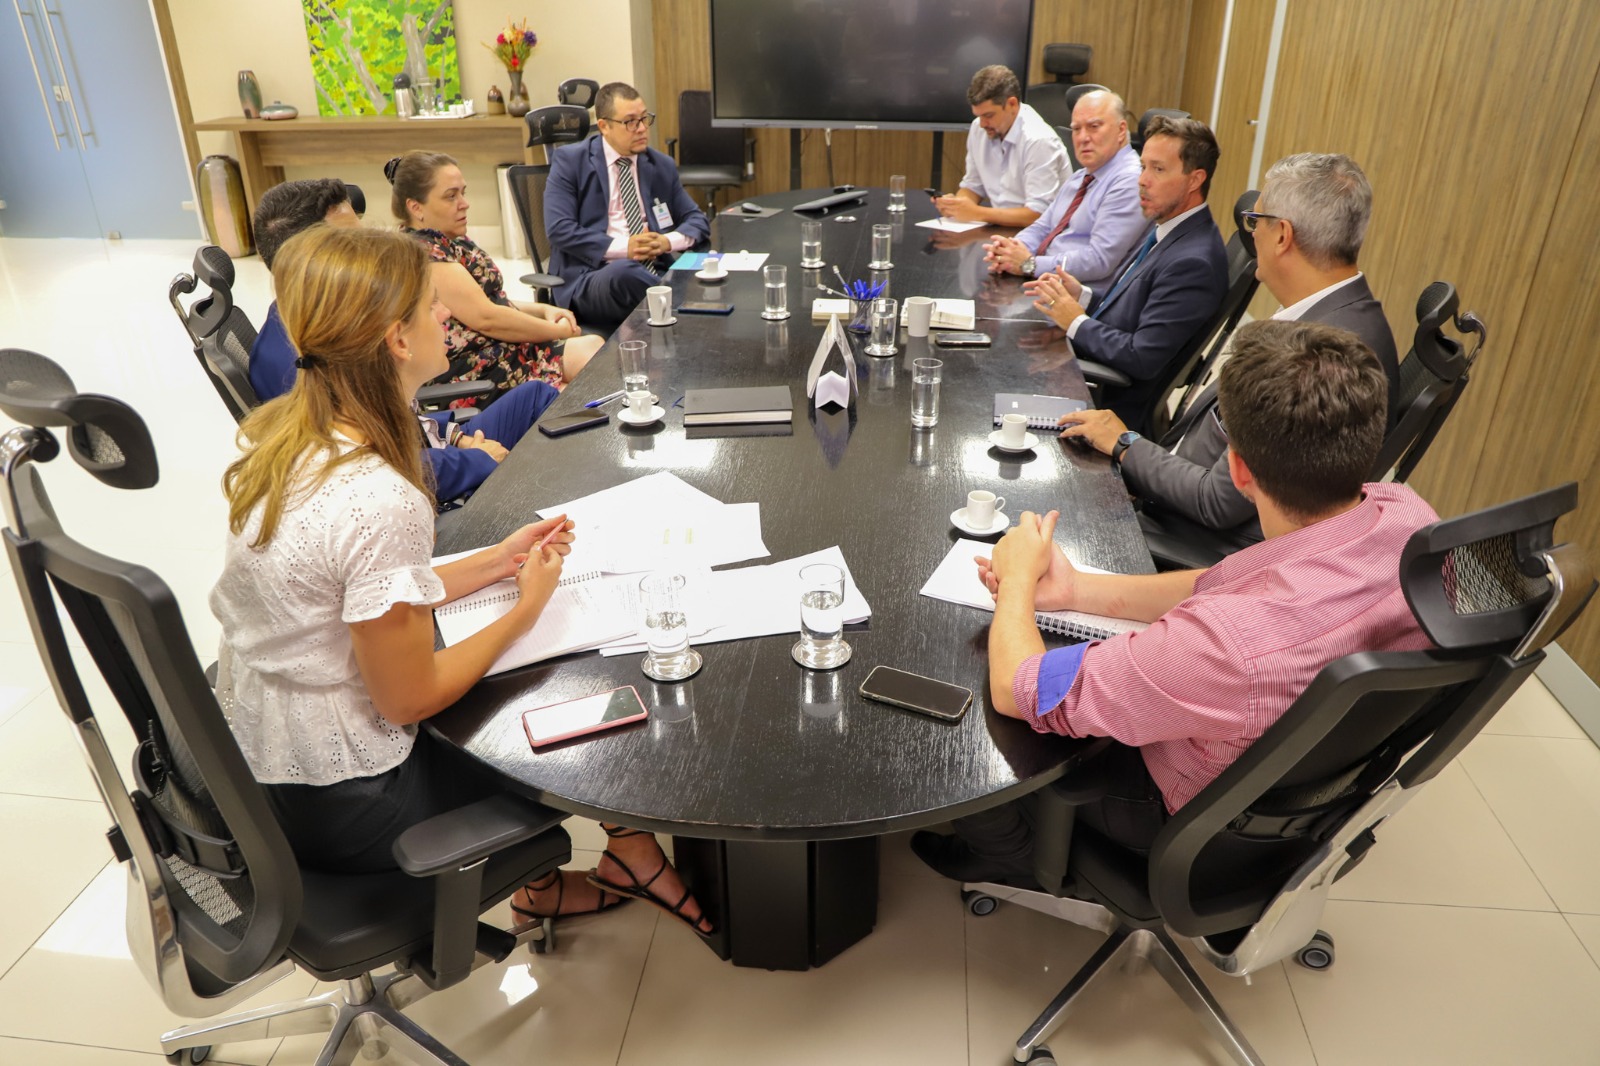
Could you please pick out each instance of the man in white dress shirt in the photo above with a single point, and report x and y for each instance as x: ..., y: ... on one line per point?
x: 1015, y: 160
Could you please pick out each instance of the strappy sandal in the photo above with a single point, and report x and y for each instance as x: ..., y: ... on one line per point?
x: 641, y: 889
x: 554, y: 878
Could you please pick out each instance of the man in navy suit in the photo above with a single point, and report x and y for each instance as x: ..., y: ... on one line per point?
x: 614, y: 209
x: 1173, y: 283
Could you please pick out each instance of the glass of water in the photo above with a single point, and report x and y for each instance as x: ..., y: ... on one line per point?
x: 776, y: 278
x: 897, y: 193
x: 882, y: 234
x: 811, y: 243
x: 666, y: 628
x: 821, y: 645
x: 925, y: 377
x: 635, y: 363
x: 885, y: 326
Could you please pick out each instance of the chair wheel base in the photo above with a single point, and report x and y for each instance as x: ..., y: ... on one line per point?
x: 1041, y: 1056
x: 979, y: 904
x: 543, y: 941
x: 1318, y: 954
x: 191, y: 1056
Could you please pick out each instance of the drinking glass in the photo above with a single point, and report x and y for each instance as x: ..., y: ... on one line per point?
x: 925, y: 377
x: 897, y: 193
x: 821, y: 645
x: 811, y: 243
x: 776, y: 278
x: 635, y: 365
x: 885, y: 326
x: 882, y: 234
x: 666, y: 628
x: 426, y: 97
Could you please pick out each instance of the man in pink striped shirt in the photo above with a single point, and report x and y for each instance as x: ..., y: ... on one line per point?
x: 1229, y: 648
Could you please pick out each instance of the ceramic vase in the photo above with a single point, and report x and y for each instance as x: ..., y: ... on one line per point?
x: 249, y: 94
x: 517, y: 103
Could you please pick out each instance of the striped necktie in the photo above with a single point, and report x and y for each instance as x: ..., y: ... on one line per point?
x: 1066, y: 219
x: 631, y: 210
x: 1149, y: 243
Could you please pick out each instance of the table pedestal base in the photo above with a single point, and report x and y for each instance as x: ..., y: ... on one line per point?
x: 783, y: 905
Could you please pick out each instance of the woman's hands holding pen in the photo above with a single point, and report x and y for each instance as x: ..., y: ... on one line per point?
x: 552, y: 534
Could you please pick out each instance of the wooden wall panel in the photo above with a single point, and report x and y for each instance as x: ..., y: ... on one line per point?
x: 1240, y: 108
x: 1200, y: 57
x: 1140, y: 46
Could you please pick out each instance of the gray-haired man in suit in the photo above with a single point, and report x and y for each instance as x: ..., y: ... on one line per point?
x: 1308, y: 224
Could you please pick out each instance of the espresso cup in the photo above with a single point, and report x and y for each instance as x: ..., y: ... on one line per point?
x: 640, y: 402
x: 919, y: 315
x: 981, y: 506
x: 1013, y: 430
x: 713, y: 266
x: 660, y: 297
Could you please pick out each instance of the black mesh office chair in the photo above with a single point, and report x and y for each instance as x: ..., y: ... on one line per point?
x: 1433, y: 375
x: 1137, y: 134
x: 527, y: 191
x: 709, y: 157
x: 556, y: 124
x: 1186, y: 367
x: 1054, y: 99
x: 579, y: 92
x: 217, y: 906
x: 223, y: 336
x: 1244, y: 869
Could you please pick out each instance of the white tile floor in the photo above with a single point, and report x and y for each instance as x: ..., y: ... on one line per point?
x: 1472, y: 935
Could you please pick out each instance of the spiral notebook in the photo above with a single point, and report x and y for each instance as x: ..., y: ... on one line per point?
x: 587, y: 610
x: 1044, y: 412
x: 956, y: 580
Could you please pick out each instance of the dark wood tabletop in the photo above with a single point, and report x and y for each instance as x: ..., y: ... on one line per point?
x: 754, y: 746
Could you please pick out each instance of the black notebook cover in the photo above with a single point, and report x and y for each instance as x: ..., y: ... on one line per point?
x: 763, y: 403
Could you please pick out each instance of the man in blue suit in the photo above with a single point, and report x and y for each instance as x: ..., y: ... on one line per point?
x: 614, y: 211
x: 1173, y: 283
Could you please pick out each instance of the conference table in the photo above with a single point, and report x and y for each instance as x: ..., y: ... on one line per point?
x: 777, y: 781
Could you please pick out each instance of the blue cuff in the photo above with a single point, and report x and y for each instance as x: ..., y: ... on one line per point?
x: 1057, y: 670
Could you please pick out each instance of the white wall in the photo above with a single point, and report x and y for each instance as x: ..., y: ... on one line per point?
x: 590, y: 39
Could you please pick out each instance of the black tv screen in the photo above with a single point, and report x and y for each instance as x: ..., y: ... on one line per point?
x: 899, y: 64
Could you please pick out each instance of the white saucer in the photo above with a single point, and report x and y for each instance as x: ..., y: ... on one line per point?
x: 958, y: 518
x: 649, y: 418
x: 703, y: 276
x: 1029, y: 442
x: 668, y: 322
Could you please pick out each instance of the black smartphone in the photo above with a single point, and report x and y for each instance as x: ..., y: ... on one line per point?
x: 934, y: 193
x: 587, y: 714
x: 705, y: 307
x: 562, y: 424
x: 962, y: 340
x: 914, y: 692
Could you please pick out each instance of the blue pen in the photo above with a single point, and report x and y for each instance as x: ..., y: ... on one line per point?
x: 607, y: 398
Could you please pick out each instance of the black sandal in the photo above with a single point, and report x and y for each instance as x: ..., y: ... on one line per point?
x: 554, y: 878
x: 641, y: 889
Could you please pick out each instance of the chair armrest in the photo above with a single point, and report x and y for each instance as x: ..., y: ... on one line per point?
x: 449, y: 841
x: 1100, y: 374
x: 439, y: 395
x: 542, y: 281
x: 672, y: 147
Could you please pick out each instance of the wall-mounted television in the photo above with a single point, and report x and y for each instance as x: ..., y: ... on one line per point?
x: 851, y: 64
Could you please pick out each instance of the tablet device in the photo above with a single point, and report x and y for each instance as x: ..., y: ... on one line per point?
x: 586, y: 714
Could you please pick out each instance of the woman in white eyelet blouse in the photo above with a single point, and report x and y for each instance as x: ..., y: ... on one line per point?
x: 327, y: 592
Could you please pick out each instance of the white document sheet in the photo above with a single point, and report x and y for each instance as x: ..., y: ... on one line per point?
x: 659, y: 520
x: 950, y: 225
x: 743, y: 260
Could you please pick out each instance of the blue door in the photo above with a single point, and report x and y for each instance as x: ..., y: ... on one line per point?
x: 89, y: 141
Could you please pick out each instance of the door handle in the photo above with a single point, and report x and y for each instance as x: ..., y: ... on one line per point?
x: 34, y: 63
x: 66, y: 75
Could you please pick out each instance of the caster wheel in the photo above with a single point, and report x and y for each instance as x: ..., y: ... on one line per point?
x: 978, y: 904
x: 1042, y: 1056
x: 1317, y: 955
x: 191, y: 1056
x: 544, y: 941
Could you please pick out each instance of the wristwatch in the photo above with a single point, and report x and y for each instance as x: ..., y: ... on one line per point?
x: 1028, y: 266
x: 1124, y: 442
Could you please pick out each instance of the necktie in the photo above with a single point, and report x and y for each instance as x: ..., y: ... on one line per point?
x: 631, y: 209
x: 1144, y: 250
x: 1066, y: 219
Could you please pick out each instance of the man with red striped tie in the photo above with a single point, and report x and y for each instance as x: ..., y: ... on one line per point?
x: 1095, y: 220
x: 1228, y: 649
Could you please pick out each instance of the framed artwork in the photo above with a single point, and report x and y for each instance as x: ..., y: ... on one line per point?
x: 358, y: 46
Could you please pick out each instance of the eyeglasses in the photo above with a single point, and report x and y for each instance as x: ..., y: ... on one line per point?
x: 1252, y: 219
x: 633, y: 125
x: 1216, y: 413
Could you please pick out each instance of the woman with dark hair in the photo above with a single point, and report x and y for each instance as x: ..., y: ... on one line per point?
x: 490, y: 336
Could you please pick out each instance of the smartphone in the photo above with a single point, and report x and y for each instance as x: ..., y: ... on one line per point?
x: 914, y: 692
x: 932, y: 192
x: 962, y: 340
x: 562, y: 424
x: 586, y: 714
x: 705, y: 307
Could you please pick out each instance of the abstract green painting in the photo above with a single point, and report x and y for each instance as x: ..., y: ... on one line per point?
x: 358, y: 46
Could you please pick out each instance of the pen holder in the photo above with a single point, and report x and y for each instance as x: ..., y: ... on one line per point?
x: 860, y: 316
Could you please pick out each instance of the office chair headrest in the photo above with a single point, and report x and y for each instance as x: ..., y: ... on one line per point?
x: 212, y: 266
x: 1486, y: 578
x: 1067, y: 61
x: 557, y: 124
x: 105, y: 435
x: 1442, y: 355
x: 1246, y: 202
x: 579, y: 92
x: 358, y: 199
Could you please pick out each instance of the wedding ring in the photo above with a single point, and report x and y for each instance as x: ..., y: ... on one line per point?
x: 1050, y: 303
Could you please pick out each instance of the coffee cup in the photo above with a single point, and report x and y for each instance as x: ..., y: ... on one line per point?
x: 981, y: 506
x: 660, y: 297
x: 919, y: 315
x: 639, y: 403
x: 713, y: 266
x: 1014, y: 430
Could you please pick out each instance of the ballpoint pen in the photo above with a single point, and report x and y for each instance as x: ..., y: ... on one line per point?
x: 607, y: 398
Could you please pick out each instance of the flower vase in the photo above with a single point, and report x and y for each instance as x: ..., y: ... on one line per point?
x: 861, y: 316
x: 517, y: 103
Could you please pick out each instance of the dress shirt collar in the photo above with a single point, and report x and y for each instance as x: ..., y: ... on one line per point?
x: 1164, y: 230
x: 612, y: 155
x: 1307, y: 541
x: 1296, y: 311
